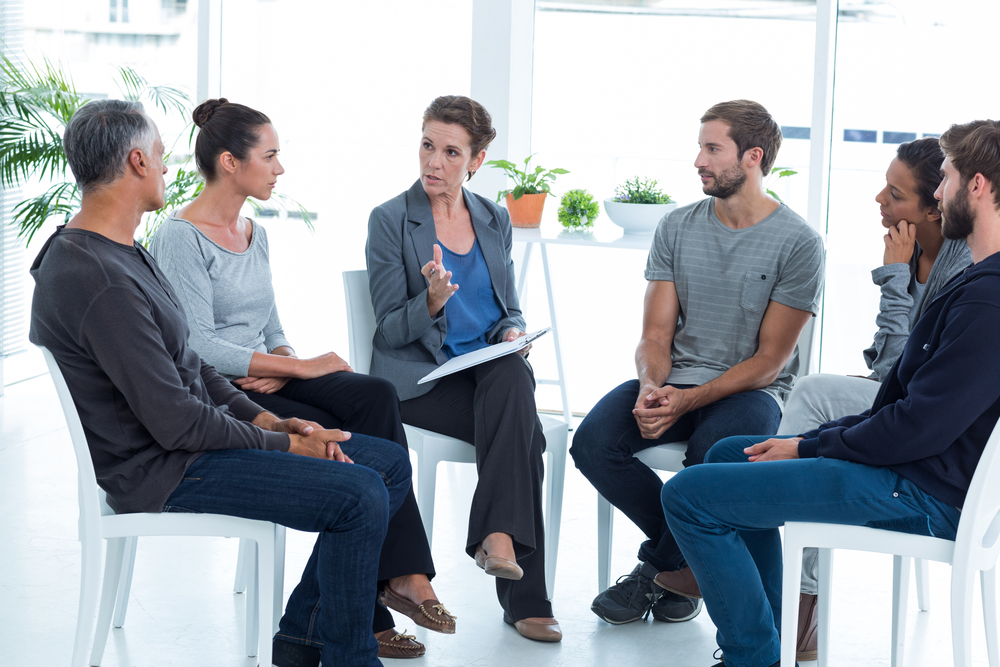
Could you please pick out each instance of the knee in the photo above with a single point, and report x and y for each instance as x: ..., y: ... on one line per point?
x: 807, y: 390
x: 383, y: 390
x: 730, y: 450
x: 585, y: 449
x: 372, y: 498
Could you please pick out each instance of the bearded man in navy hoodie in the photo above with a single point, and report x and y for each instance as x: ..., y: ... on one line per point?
x: 905, y: 464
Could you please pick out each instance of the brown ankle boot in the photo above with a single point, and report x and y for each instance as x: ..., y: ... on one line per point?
x: 805, y: 646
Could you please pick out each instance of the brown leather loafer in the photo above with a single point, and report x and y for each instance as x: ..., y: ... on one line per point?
x: 681, y: 582
x: 540, y: 631
x: 429, y: 614
x: 498, y: 567
x: 392, y: 644
x: 807, y: 642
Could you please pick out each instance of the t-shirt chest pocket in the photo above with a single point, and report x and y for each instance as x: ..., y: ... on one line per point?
x: 757, y: 286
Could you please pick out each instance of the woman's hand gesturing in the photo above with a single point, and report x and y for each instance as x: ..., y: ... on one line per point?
x: 439, y: 287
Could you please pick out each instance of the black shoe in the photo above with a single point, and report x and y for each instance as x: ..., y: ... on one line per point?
x: 631, y: 598
x: 288, y: 654
x: 718, y: 654
x: 674, y: 608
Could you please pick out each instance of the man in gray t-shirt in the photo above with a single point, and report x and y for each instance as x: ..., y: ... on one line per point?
x: 733, y: 279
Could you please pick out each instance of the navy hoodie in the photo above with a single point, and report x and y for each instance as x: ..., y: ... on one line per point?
x: 936, y: 409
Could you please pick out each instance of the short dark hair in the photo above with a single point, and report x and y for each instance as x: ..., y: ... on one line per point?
x: 470, y: 114
x: 99, y: 138
x: 924, y: 158
x: 750, y: 126
x: 974, y: 148
x: 224, y: 126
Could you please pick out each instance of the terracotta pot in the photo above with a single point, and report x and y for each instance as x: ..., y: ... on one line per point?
x: 526, y: 211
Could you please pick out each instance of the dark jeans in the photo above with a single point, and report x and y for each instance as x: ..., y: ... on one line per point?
x: 348, y: 505
x: 726, y: 515
x: 493, y: 406
x: 605, y: 444
x: 362, y: 404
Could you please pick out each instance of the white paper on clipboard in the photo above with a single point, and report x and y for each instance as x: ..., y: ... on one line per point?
x: 488, y: 353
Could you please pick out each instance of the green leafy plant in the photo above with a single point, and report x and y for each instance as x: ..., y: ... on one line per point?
x: 640, y: 191
x: 526, y: 182
x: 37, y: 102
x: 777, y: 174
x: 578, y: 209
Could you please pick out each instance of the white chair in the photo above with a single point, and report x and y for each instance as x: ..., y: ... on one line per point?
x: 99, y: 522
x: 975, y: 549
x: 432, y: 448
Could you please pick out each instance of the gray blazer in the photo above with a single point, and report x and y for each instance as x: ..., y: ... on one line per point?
x: 401, y: 238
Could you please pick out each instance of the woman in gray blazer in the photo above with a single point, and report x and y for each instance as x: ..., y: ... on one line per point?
x: 442, y: 284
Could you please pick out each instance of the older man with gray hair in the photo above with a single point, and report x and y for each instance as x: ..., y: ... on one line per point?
x: 168, y: 433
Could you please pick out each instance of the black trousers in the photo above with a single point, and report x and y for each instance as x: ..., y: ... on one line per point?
x: 368, y: 405
x: 493, y: 406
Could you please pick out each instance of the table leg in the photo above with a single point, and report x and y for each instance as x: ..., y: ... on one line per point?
x: 560, y: 374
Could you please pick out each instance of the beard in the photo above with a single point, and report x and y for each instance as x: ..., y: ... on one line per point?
x: 957, y: 218
x: 727, y: 182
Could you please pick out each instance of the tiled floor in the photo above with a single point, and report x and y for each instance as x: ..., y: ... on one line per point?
x: 183, y: 611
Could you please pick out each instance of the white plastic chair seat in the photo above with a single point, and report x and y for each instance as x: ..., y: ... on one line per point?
x: 98, y: 522
x: 433, y: 448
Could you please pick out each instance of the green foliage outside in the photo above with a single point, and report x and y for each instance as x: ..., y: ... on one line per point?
x: 641, y: 191
x: 777, y: 174
x: 37, y: 102
x: 526, y: 182
x: 577, y: 205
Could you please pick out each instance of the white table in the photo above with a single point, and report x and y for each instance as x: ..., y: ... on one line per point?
x: 603, y: 234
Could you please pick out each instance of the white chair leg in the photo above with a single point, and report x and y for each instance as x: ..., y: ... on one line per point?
x: 90, y: 577
x: 961, y: 614
x: 988, y: 582
x: 426, y: 484
x: 900, y: 596
x: 240, y: 584
x: 824, y: 606
x: 790, y: 586
x: 279, y: 576
x: 125, y: 581
x: 553, y: 504
x: 252, y: 598
x: 267, y: 571
x: 922, y: 569
x: 109, y: 591
x: 605, y: 529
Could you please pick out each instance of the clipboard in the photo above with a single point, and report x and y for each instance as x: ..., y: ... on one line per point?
x: 488, y: 353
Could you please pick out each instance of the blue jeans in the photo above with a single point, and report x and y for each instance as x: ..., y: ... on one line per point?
x: 348, y: 505
x: 725, y: 517
x: 605, y: 444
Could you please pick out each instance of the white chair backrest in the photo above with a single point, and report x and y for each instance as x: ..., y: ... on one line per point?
x: 93, y: 500
x: 360, y: 320
x: 979, y: 527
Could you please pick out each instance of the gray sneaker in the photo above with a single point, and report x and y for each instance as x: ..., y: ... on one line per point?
x: 631, y: 598
x: 674, y: 608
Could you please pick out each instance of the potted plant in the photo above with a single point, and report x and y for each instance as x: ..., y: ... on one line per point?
x: 638, y: 205
x: 526, y: 199
x: 578, y: 209
x: 36, y: 103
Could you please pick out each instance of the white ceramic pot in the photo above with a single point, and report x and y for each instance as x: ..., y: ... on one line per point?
x: 636, y: 218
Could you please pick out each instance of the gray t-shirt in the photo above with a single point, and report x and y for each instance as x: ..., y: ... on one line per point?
x: 725, y: 279
x: 227, y: 296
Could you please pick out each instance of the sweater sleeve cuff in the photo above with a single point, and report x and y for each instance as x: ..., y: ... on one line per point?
x: 276, y: 442
x: 808, y: 448
x: 883, y: 274
x: 244, y: 409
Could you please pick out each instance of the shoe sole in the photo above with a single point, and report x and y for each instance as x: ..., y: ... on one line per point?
x: 806, y: 655
x: 697, y: 610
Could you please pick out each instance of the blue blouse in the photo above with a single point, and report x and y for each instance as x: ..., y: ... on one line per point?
x: 472, y: 311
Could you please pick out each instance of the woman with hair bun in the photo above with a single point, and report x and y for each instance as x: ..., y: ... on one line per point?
x: 217, y: 262
x: 442, y: 283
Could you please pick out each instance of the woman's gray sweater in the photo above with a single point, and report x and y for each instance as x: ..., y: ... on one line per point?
x: 896, y: 305
x: 227, y: 296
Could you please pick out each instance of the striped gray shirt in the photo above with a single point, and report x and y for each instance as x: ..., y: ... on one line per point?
x: 725, y: 279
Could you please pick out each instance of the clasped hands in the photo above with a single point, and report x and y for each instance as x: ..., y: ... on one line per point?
x: 310, y: 439
x: 659, y: 408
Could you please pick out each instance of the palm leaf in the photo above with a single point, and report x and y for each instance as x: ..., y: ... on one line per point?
x: 31, y: 214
